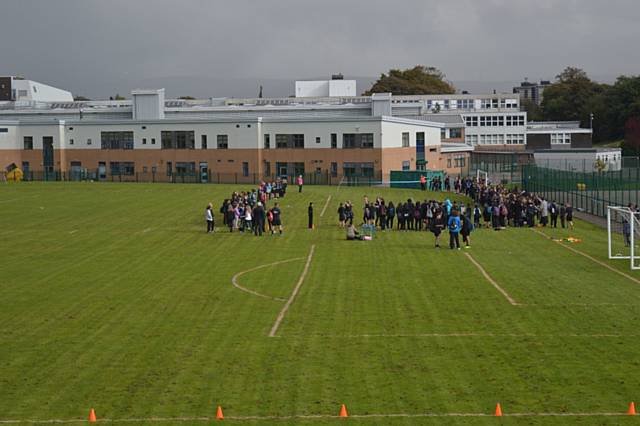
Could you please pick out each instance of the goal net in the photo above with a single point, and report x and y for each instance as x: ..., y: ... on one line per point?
x: 623, y: 234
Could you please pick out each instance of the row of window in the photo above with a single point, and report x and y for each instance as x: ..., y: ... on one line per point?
x: 181, y: 139
x: 561, y: 138
x: 470, y: 103
x: 456, y: 162
x: 494, y: 120
x: 498, y: 139
x: 453, y: 134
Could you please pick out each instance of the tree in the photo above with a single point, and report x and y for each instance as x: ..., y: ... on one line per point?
x: 534, y: 112
x: 571, y: 97
x: 419, y: 80
x: 80, y: 99
x: 117, y: 98
x: 632, y: 136
x: 187, y: 98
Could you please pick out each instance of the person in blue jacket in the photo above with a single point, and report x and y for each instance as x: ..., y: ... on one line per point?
x: 454, y: 229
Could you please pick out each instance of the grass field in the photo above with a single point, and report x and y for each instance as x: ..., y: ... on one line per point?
x: 112, y: 296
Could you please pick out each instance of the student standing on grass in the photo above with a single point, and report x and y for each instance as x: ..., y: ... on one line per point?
x: 277, y: 220
x: 248, y: 219
x: 342, y: 217
x: 465, y: 230
x: 477, y: 214
x: 310, y: 212
x: 454, y: 229
x: 258, y: 217
x: 300, y: 183
x: 437, y: 225
x: 544, y: 212
x: 391, y: 214
x: 209, y: 217
x: 423, y: 183
x: 563, y: 215
x: 553, y: 210
x: 569, y: 211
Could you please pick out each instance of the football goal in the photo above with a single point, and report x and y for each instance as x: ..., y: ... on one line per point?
x: 482, y: 176
x: 623, y: 234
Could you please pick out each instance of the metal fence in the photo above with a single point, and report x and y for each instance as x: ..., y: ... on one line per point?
x: 589, y: 192
x: 315, y: 178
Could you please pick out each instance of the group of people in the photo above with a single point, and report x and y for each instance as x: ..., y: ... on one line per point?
x: 247, y: 212
x: 408, y: 215
x: 494, y: 206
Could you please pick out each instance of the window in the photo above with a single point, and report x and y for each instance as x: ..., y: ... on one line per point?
x: 406, y: 165
x: 153, y: 141
x: 405, y: 139
x: 89, y: 141
x: 144, y: 141
x: 317, y: 139
x: 459, y: 162
x: 203, y: 141
x: 448, y: 162
x: 222, y: 141
x: 334, y: 169
x: 443, y: 133
x: 28, y: 143
x: 145, y: 169
x: 186, y: 169
x: 267, y: 142
x: 177, y: 139
x: 482, y: 121
x: 116, y: 140
x: 70, y: 141
x: 455, y: 133
x: 367, y: 140
x: 471, y: 139
x: 169, y: 168
x: 334, y: 141
x: 267, y: 168
x: 4, y: 130
x: 357, y: 140
x: 122, y: 168
x: 245, y: 168
x: 289, y: 141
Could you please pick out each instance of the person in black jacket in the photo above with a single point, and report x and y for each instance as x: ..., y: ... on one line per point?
x: 310, y: 212
x: 391, y: 214
x: 465, y: 230
x: 258, y: 219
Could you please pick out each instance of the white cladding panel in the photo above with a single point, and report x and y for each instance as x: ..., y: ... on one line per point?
x: 322, y: 130
x: 392, y: 134
x: 324, y: 88
x: 148, y: 105
x: 28, y: 90
x: 342, y: 88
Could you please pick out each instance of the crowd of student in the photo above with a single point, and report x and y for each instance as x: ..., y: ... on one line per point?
x: 247, y: 211
x: 494, y: 206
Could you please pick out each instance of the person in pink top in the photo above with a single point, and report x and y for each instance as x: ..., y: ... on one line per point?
x: 300, y: 183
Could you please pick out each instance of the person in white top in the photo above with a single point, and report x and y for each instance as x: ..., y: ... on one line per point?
x: 208, y: 215
x: 248, y: 220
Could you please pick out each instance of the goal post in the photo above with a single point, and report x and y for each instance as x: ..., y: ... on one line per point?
x: 481, y: 174
x: 623, y: 234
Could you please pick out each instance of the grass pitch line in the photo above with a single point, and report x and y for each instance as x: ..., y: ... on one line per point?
x: 492, y: 281
x: 458, y: 335
x: 308, y: 417
x: 599, y: 262
x: 285, y: 308
x: 234, y: 279
x: 325, y: 206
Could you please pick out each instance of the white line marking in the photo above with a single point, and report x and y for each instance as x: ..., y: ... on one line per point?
x: 313, y: 416
x: 446, y: 335
x: 147, y: 230
x: 73, y: 232
x: 234, y: 280
x: 285, y: 308
x: 325, y: 206
x: 491, y: 280
x: 599, y: 262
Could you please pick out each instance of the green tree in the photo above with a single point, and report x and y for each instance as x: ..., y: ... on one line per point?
x: 534, y: 112
x: 419, y: 80
x: 187, y: 98
x: 631, y: 145
x: 80, y: 98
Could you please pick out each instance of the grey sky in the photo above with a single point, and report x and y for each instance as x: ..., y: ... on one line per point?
x: 99, y: 47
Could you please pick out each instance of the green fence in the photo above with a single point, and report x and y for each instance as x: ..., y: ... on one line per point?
x: 411, y: 179
x: 589, y: 192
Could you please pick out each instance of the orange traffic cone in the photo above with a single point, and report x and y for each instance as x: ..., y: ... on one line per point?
x: 92, y: 416
x: 632, y: 409
x: 343, y: 411
x: 498, y: 410
x: 219, y: 415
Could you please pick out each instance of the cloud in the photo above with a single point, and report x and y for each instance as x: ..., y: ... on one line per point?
x: 85, y: 44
